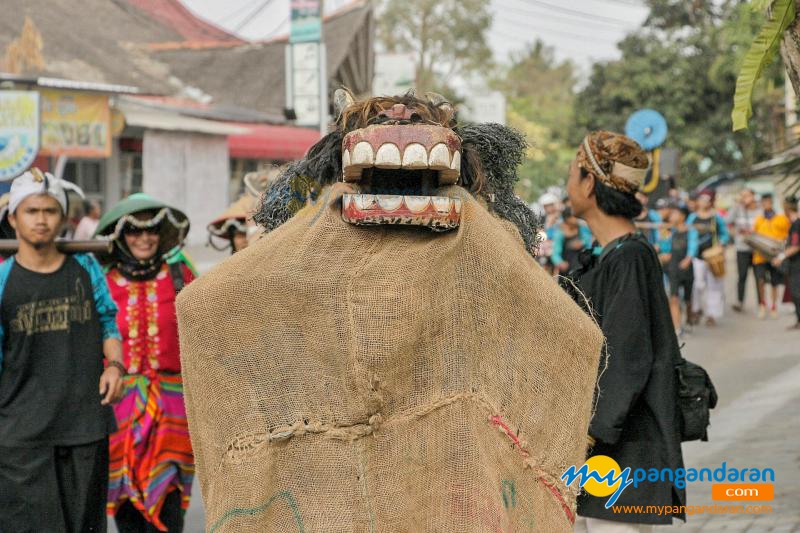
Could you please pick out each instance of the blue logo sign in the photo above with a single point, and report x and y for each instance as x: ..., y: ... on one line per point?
x: 19, y: 132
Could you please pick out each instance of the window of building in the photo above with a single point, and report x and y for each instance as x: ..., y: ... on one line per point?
x: 130, y: 171
x: 89, y: 175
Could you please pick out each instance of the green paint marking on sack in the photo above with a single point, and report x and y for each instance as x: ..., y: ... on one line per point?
x: 509, y: 494
x: 263, y: 508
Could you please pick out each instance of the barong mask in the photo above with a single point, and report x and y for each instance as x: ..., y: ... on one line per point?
x: 399, y: 161
x: 402, y: 156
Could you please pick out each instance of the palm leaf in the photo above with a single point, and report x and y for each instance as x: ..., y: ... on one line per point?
x: 761, y: 5
x: 761, y: 53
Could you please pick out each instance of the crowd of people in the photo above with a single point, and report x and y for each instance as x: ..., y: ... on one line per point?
x: 691, y: 235
x: 75, y: 325
x: 66, y: 458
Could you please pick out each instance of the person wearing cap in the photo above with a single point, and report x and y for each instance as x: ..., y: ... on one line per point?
x: 552, y: 217
x: 57, y: 322
x: 552, y: 212
x: 664, y: 207
x: 636, y: 419
x: 152, y: 465
x: 708, y: 298
x: 774, y: 226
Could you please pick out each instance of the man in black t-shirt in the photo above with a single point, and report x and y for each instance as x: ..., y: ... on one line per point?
x: 57, y: 320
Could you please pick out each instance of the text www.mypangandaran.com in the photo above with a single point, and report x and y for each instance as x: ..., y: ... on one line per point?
x: 691, y: 509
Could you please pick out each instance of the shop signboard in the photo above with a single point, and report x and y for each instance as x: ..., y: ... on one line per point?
x: 19, y: 132
x: 75, y: 124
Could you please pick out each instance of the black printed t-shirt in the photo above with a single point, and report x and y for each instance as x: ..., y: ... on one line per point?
x: 52, y: 360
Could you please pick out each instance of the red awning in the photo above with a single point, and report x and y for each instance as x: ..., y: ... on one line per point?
x: 281, y: 143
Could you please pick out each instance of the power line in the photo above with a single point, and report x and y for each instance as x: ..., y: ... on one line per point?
x: 276, y: 29
x: 564, y: 33
x: 582, y: 14
x: 550, y: 16
x: 252, y: 15
x: 238, y: 11
x: 560, y: 47
x: 627, y: 2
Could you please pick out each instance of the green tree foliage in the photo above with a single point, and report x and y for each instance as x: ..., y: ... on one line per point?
x: 448, y: 37
x: 687, y: 72
x: 671, y: 14
x: 540, y: 99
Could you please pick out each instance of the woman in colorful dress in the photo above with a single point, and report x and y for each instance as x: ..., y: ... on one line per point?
x: 152, y: 466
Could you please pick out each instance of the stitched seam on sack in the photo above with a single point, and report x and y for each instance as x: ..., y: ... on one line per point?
x: 566, y: 495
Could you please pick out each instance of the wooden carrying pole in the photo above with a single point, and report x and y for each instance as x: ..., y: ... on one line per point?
x: 10, y: 246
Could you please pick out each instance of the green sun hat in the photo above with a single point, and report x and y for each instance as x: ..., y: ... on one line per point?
x: 172, y: 235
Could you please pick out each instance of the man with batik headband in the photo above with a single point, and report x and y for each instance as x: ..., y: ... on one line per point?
x: 636, y: 419
x: 152, y: 465
x: 57, y: 321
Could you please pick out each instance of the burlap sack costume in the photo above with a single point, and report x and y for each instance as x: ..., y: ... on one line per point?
x: 389, y: 379
x: 343, y: 378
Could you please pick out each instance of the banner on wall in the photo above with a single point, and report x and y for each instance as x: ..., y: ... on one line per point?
x: 75, y: 124
x: 19, y: 132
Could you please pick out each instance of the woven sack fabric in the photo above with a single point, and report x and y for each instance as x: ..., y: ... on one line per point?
x: 387, y: 379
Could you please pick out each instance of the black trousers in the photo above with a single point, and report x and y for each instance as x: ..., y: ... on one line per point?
x: 55, y: 488
x: 744, y: 262
x: 130, y: 520
x: 793, y: 285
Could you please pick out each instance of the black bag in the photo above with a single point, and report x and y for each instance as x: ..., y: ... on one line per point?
x: 696, y: 397
x: 176, y: 273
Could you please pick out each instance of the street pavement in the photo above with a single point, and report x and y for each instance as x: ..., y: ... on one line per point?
x: 755, y: 366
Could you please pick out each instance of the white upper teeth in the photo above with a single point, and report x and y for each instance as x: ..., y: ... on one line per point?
x: 415, y: 156
x: 456, y: 163
x: 388, y: 156
x: 450, y: 176
x: 439, y: 158
x: 362, y: 154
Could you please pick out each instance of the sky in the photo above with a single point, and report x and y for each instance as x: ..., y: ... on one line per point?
x: 583, y: 31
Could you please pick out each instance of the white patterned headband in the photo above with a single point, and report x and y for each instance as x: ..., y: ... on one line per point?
x: 635, y: 177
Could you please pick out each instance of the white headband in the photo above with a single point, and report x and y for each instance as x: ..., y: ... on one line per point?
x: 36, y: 182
